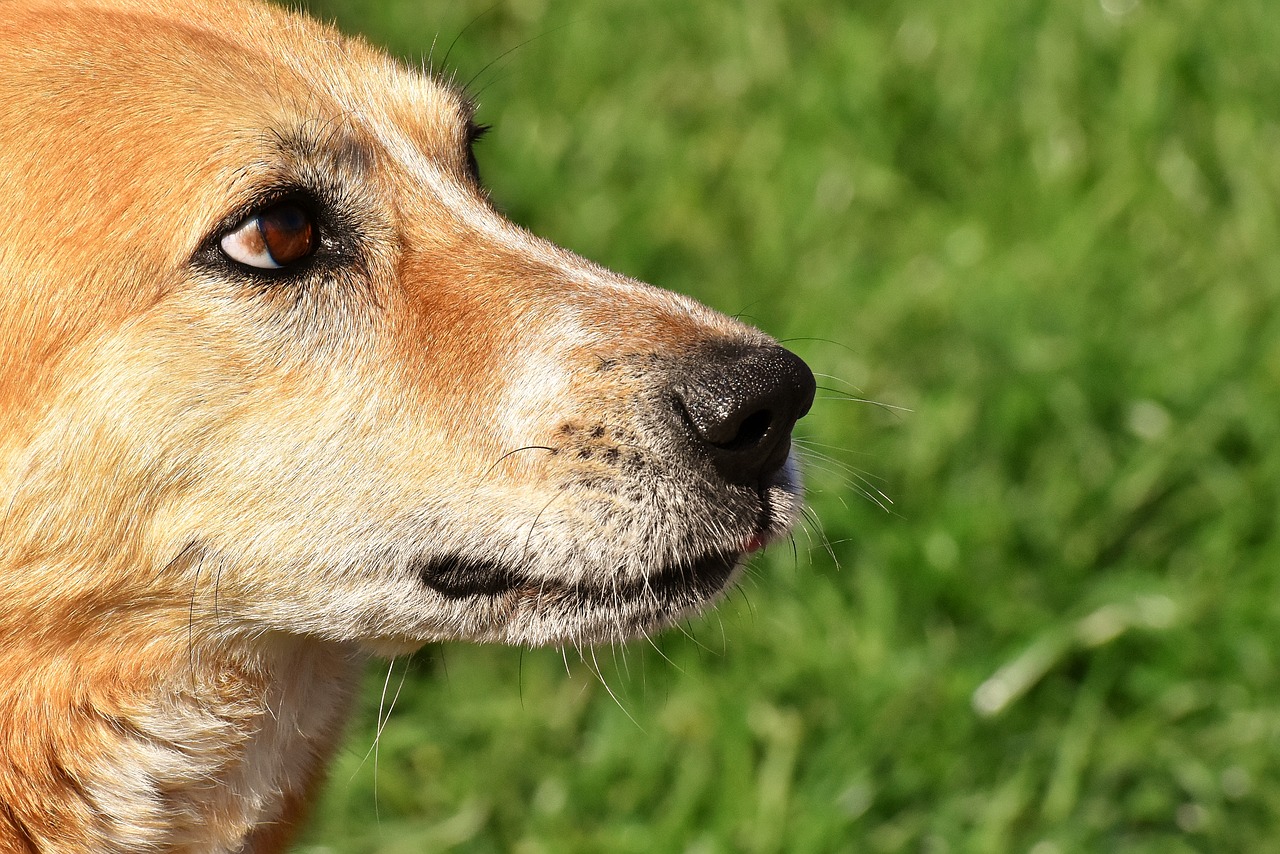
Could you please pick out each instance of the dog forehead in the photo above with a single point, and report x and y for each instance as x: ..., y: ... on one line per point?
x: 225, y: 65
x: 191, y: 101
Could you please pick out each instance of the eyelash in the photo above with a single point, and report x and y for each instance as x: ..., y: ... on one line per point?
x: 475, y: 133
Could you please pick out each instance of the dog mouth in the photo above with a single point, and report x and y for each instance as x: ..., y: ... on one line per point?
x: 607, y: 599
x: 460, y: 577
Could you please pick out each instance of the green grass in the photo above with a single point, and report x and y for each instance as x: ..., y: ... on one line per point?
x: 1050, y: 231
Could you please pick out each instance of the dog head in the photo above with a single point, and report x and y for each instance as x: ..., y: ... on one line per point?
x: 270, y: 360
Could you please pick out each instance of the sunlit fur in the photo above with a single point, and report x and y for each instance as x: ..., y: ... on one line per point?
x: 220, y: 492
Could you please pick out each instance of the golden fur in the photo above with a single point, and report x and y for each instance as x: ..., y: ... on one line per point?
x: 222, y: 490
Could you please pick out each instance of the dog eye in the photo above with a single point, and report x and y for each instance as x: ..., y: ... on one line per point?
x: 280, y: 235
x: 475, y: 133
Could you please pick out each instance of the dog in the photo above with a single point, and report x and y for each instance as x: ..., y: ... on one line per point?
x: 281, y: 390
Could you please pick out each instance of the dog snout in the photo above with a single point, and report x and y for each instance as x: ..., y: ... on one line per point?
x: 740, y: 404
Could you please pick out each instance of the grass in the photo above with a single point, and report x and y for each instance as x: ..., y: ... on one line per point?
x: 1050, y: 232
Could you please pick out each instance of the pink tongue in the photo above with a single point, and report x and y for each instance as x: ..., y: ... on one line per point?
x: 755, y: 544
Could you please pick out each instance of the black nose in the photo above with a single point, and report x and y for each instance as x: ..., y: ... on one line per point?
x: 740, y: 403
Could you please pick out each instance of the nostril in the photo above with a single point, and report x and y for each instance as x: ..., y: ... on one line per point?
x: 722, y: 428
x: 751, y: 431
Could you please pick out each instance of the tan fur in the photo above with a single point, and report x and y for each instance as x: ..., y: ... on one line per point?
x: 215, y: 493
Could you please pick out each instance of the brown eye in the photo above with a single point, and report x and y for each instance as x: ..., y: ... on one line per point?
x: 276, y: 237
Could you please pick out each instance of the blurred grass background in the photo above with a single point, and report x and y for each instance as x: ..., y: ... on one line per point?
x: 1047, y: 229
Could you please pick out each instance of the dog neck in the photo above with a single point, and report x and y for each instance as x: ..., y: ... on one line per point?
x: 140, y: 745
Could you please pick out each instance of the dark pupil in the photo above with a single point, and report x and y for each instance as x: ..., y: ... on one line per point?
x: 287, y: 233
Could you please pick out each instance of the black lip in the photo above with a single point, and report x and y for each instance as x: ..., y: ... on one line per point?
x: 459, y: 577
